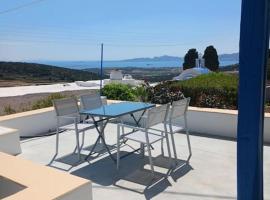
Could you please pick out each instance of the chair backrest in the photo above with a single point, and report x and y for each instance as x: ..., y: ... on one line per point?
x: 67, y: 106
x: 90, y: 101
x: 156, y: 115
x: 179, y: 108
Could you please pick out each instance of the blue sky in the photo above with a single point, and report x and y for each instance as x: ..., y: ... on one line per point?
x: 73, y: 29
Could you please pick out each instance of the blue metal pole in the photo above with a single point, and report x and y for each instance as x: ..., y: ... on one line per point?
x: 254, y: 41
x: 101, y: 68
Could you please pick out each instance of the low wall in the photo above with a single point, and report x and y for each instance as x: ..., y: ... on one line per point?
x: 10, y: 141
x: 23, y: 179
x: 219, y: 122
x: 216, y: 122
x: 33, y: 122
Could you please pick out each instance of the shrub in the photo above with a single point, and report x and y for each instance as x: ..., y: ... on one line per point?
x: 118, y: 91
x: 214, y: 90
x: 47, y: 102
x: 8, y: 110
x: 163, y: 93
x: 141, y: 92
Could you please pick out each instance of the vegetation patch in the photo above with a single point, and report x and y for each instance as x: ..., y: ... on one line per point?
x: 118, y: 91
x: 214, y: 90
x: 47, y: 102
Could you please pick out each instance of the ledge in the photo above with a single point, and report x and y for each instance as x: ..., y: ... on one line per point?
x: 41, y: 182
x: 26, y: 113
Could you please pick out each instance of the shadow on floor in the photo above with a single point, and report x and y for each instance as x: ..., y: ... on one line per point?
x: 133, y: 175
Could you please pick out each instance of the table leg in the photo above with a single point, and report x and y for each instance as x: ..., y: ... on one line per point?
x: 101, y: 137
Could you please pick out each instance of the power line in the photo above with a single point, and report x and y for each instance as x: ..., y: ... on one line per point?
x: 20, y: 6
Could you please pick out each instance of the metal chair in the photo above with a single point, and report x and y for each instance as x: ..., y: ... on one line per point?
x: 90, y: 101
x: 178, y: 110
x: 146, y: 135
x: 67, y: 109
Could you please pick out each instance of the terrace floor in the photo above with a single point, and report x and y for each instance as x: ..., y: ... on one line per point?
x: 210, y: 174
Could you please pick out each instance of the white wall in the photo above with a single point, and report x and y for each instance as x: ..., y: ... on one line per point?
x: 215, y: 122
x: 218, y: 122
x: 32, y: 122
x: 10, y: 141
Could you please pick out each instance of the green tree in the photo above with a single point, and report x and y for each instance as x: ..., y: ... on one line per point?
x: 211, y: 58
x: 190, y: 59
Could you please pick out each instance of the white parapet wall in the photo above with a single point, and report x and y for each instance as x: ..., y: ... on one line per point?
x: 35, y: 122
x: 31, y: 123
x: 205, y: 121
x: 10, y: 141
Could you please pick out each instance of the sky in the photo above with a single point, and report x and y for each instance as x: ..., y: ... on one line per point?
x: 74, y: 29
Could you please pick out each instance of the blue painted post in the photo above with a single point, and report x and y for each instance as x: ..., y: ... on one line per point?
x: 101, y: 68
x: 254, y: 41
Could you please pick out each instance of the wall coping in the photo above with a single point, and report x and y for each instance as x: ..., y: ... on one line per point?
x: 41, y: 182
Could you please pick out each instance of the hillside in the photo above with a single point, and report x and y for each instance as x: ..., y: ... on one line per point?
x: 21, y: 72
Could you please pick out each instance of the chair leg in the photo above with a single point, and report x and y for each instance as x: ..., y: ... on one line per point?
x: 150, y: 158
x: 168, y: 145
x: 188, y: 140
x: 57, y: 141
x: 83, y: 137
x: 78, y: 144
x: 189, y: 145
x: 142, y: 151
x: 162, y: 144
x: 173, y: 143
x: 118, y: 147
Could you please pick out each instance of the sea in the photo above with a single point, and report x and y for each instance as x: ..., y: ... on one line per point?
x: 121, y: 64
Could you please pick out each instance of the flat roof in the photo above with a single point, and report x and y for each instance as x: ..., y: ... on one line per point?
x: 210, y: 174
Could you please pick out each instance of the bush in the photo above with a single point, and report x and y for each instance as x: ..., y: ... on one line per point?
x: 8, y: 110
x: 163, y: 93
x: 142, y: 92
x: 214, y: 90
x: 47, y: 102
x: 118, y: 91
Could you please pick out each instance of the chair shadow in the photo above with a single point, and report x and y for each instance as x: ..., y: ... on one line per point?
x: 104, y: 172
x: 72, y: 159
x: 99, y: 149
x: 66, y: 162
x: 132, y: 175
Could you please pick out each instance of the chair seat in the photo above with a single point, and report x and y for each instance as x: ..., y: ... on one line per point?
x: 81, y: 127
x: 139, y: 136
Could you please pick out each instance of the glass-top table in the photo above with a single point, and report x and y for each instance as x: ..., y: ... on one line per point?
x: 107, y: 112
x: 117, y: 109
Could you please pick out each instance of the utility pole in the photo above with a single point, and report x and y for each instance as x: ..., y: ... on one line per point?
x: 101, y: 68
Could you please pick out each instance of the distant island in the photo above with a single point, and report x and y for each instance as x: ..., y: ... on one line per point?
x: 232, y: 56
x: 154, y: 59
